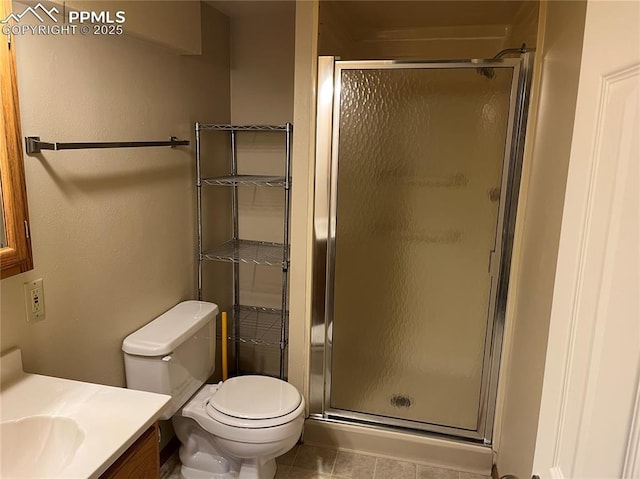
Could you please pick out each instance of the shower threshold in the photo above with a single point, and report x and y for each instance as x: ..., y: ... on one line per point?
x: 404, y: 426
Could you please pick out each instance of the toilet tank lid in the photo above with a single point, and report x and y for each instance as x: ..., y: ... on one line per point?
x: 170, y: 329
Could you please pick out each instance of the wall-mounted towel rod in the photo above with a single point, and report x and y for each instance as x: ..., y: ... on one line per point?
x: 34, y: 145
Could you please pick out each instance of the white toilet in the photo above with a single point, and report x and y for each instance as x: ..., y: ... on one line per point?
x: 233, y: 429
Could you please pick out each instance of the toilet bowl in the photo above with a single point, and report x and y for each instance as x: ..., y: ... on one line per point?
x: 233, y: 429
x: 249, y: 445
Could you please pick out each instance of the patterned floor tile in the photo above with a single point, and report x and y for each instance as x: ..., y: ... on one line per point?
x: 282, y: 472
x: 468, y: 475
x: 297, y: 473
x: 354, y: 466
x: 428, y: 472
x: 392, y: 469
x: 318, y: 459
x: 288, y: 457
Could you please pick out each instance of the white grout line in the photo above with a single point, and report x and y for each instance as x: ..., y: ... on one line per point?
x: 335, y: 460
x: 295, y: 454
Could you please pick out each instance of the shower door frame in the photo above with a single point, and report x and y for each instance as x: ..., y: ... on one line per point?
x: 324, y: 239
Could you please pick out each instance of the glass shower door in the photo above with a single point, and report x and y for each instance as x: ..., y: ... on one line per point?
x: 419, y: 165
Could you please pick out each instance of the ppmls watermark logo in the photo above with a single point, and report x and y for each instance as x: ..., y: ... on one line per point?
x: 33, y: 11
x: 81, y: 22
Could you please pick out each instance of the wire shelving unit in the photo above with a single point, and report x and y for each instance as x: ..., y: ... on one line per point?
x: 251, y: 324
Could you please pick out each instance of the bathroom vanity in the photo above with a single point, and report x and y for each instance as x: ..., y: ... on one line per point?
x: 53, y: 427
x: 141, y: 460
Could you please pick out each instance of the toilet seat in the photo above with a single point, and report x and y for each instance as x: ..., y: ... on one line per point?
x: 242, y: 430
x: 254, y: 402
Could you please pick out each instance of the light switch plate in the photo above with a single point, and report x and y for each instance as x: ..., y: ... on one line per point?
x: 34, y: 300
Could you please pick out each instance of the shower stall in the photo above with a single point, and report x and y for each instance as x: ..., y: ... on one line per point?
x: 416, y: 185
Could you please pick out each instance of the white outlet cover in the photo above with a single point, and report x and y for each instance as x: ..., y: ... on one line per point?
x: 34, y: 290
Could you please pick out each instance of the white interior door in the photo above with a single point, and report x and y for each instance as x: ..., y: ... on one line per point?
x: 590, y: 414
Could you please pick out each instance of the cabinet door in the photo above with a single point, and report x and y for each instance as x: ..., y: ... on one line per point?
x: 140, y: 461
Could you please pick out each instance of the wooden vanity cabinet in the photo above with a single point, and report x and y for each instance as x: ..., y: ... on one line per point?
x: 140, y: 461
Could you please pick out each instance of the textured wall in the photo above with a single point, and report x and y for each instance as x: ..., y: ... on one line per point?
x: 112, y: 230
x: 262, y: 65
x: 152, y: 20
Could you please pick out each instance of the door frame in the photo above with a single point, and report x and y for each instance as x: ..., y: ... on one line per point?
x: 324, y: 228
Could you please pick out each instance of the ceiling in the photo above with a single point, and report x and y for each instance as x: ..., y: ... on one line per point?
x: 242, y: 8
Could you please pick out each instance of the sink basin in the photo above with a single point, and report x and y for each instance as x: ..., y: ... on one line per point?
x: 59, y: 428
x: 39, y: 446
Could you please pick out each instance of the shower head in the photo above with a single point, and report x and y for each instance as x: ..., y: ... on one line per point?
x: 506, y: 51
x: 489, y: 72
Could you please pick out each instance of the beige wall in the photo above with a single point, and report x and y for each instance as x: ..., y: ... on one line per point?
x: 304, y: 110
x: 262, y: 63
x: 262, y: 75
x: 538, y: 230
x: 112, y: 230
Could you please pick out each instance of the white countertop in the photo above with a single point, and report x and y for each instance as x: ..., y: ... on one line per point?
x: 110, y: 418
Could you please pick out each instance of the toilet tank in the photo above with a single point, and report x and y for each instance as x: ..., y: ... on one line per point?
x: 174, y: 354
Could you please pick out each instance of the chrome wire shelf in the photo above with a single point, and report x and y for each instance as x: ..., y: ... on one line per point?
x: 257, y: 326
x: 213, y: 126
x: 250, y: 327
x: 249, y: 252
x: 245, y: 180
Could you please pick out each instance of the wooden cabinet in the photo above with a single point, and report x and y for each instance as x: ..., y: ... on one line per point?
x: 15, y: 243
x: 140, y: 461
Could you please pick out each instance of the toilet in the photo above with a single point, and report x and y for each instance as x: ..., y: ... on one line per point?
x: 233, y: 429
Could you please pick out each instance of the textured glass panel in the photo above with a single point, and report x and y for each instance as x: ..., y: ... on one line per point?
x: 419, y: 174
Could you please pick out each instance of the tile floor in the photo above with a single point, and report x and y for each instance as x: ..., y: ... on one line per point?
x: 310, y: 462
